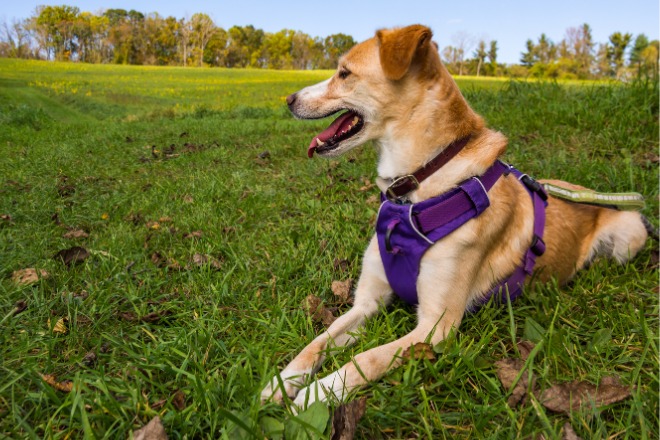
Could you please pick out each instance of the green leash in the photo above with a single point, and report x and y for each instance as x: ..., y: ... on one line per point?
x: 626, y: 201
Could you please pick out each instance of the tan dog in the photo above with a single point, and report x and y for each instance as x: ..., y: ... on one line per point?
x: 397, y: 92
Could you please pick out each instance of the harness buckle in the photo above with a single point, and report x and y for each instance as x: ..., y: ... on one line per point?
x: 401, y: 182
x: 534, y: 186
x: 537, y: 246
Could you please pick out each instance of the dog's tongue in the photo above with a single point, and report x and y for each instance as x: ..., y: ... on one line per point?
x: 337, y: 126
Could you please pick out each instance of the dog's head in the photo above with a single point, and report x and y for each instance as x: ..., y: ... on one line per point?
x: 375, y: 82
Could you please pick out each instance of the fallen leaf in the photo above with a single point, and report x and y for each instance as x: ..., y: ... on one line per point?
x: 60, y: 326
x: 507, y: 371
x: 420, y: 350
x: 90, y: 359
x: 75, y: 233
x: 193, y: 234
x: 56, y: 219
x: 179, y: 400
x: 345, y: 418
x: 19, y: 307
x: 165, y: 219
x: 153, y: 430
x: 128, y: 316
x: 155, y: 316
x: 569, y: 433
x: 24, y: 277
x: 188, y: 199
x: 341, y: 265
x: 153, y: 225
x: 314, y: 308
x: 161, y: 261
x: 201, y: 260
x: 571, y: 396
x: 105, y: 216
x: 64, y: 386
x: 342, y: 290
x: 525, y: 348
x: 158, y: 405
x: 5, y: 218
x: 72, y: 255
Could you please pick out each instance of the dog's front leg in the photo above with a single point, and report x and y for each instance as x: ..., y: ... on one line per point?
x: 372, y: 293
x: 442, y: 288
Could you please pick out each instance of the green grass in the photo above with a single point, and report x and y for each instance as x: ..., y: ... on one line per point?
x: 277, y: 225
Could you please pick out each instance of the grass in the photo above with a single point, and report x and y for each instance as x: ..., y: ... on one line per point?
x: 196, y: 344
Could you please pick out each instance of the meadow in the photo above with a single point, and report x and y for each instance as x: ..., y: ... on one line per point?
x: 199, y: 226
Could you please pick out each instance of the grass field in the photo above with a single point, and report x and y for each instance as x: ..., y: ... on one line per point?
x: 207, y: 227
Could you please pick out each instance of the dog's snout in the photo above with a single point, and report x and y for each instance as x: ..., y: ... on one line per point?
x: 291, y: 99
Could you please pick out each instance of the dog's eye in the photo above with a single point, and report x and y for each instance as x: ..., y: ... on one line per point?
x: 343, y: 73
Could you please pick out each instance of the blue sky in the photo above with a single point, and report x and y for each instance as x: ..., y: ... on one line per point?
x: 510, y: 22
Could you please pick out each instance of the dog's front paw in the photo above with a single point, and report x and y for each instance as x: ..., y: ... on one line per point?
x: 331, y: 387
x: 286, y: 383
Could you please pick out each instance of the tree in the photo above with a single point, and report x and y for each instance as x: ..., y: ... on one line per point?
x: 16, y: 37
x: 185, y: 32
x: 576, y: 53
x: 492, y: 57
x: 334, y: 46
x: 636, y: 58
x: 463, y: 42
x: 619, y: 43
x: 528, y: 58
x: 57, y: 23
x: 480, y: 55
x: 202, y: 31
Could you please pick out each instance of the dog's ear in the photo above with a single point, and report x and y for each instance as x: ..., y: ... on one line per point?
x: 398, y: 48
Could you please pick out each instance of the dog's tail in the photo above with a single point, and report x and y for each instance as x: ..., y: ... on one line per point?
x: 650, y: 229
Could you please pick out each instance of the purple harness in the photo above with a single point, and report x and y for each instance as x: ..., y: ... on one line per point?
x: 406, y: 231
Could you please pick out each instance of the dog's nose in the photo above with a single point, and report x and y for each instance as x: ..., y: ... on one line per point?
x: 291, y: 99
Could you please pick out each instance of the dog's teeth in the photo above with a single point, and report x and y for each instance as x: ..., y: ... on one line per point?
x: 319, y: 143
x: 355, y: 120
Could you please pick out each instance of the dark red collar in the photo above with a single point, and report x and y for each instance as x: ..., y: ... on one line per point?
x: 402, y: 185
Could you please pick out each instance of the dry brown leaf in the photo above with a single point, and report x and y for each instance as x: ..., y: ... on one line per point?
x: 193, y: 234
x: 75, y: 233
x: 155, y: 316
x: 314, y: 308
x: 60, y: 326
x: 128, y: 316
x: 5, y: 218
x: 341, y: 265
x: 153, y: 430
x: 569, y: 433
x: 179, y: 400
x: 201, y: 260
x: 72, y: 255
x: 158, y: 405
x: 525, y: 348
x: 90, y: 359
x: 64, y: 386
x: 19, y: 307
x: 24, y: 277
x: 345, y: 418
x: 507, y: 371
x: 571, y: 396
x: 165, y: 219
x: 420, y: 350
x: 342, y: 290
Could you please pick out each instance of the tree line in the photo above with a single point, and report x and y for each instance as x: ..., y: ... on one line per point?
x: 64, y: 33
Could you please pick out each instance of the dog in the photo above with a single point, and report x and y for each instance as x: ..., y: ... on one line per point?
x: 395, y: 91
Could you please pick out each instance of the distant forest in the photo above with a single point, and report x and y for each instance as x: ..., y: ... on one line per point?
x: 117, y: 36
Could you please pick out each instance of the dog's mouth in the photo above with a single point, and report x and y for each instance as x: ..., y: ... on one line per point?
x: 346, y: 125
